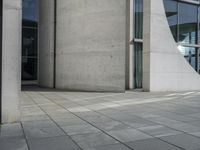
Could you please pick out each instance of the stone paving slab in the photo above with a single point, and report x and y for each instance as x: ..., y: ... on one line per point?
x: 105, y: 121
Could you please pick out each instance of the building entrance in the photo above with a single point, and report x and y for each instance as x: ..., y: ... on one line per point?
x: 30, y: 42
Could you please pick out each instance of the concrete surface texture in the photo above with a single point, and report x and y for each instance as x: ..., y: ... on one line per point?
x: 105, y: 121
x: 91, y: 43
x: 46, y: 43
x: 11, y: 60
x: 164, y: 67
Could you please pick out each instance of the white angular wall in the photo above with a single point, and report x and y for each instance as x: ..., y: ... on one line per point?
x: 91, y: 43
x: 165, y: 68
x: 11, y: 60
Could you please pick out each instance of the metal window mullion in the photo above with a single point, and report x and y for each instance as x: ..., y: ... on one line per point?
x: 178, y: 21
x: 1, y: 49
x: 131, y: 45
x: 197, y: 49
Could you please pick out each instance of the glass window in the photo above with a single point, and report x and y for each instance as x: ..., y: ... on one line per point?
x: 171, y: 8
x: 138, y: 19
x: 188, y: 20
x: 190, y: 54
x: 30, y: 10
x: 138, y: 69
x: 30, y: 40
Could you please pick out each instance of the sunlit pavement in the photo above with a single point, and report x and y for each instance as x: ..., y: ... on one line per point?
x: 105, y: 121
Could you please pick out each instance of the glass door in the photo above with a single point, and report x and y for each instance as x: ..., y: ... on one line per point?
x: 30, y: 42
x: 138, y: 65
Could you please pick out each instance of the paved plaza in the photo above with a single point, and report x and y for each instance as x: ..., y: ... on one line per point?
x: 105, y: 121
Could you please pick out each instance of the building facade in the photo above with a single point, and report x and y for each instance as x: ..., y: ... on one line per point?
x: 98, y: 45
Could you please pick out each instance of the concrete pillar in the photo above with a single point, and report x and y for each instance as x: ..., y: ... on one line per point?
x: 46, y: 43
x: 91, y: 45
x: 11, y: 60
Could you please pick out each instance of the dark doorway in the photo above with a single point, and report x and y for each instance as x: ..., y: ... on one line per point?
x: 30, y: 42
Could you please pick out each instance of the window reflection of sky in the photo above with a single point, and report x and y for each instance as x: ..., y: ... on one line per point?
x: 30, y: 10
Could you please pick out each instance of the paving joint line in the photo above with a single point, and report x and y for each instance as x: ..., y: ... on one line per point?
x: 93, y: 126
x: 57, y: 124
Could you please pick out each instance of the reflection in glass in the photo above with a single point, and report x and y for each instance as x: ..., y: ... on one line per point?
x: 188, y: 20
x: 138, y: 19
x: 190, y: 54
x: 171, y: 8
x: 183, y: 21
x: 30, y: 10
x: 30, y: 40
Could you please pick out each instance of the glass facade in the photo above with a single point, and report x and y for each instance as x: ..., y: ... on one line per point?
x: 138, y: 19
x: 30, y: 40
x: 172, y: 16
x: 184, y: 21
x: 138, y: 45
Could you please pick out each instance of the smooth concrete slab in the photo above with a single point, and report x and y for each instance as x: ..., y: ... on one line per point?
x: 11, y: 130
x: 151, y: 111
x: 57, y: 143
x: 80, y: 129
x: 129, y: 135
x: 152, y: 144
x: 110, y: 147
x: 184, y: 141
x: 91, y: 45
x: 93, y: 140
x: 111, y: 126
x: 43, y: 132
x: 13, y: 143
x: 159, y: 131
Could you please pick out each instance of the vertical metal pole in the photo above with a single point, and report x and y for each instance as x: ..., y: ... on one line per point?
x: 1, y: 22
x: 131, y: 53
x: 198, y: 42
x: 55, y: 33
x: 178, y: 21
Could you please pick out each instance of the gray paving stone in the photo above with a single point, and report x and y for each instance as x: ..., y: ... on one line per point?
x: 138, y: 123
x: 111, y: 125
x: 151, y: 144
x: 69, y: 121
x: 57, y: 143
x: 11, y: 130
x: 34, y: 118
x: 150, y: 113
x: 185, y: 141
x: 159, y: 131
x: 97, y: 119
x: 128, y: 135
x: 195, y: 134
x: 110, y: 147
x: 13, y: 143
x: 38, y: 124
x: 43, y: 132
x: 80, y: 129
x: 93, y: 140
x: 185, y: 127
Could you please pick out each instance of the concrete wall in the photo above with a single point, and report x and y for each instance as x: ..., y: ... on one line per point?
x: 11, y: 60
x: 46, y: 43
x: 165, y: 68
x: 91, y: 45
